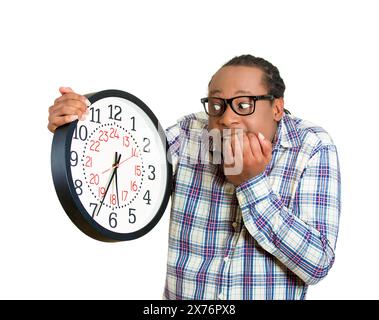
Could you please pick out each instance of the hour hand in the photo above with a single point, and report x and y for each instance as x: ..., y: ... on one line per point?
x: 115, y: 177
x: 115, y: 164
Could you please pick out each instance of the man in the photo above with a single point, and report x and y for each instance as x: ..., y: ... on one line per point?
x: 263, y: 224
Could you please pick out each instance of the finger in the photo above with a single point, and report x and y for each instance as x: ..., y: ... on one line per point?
x: 79, y: 105
x: 59, y: 121
x: 247, y: 153
x: 255, y: 147
x: 228, y: 152
x: 239, y: 150
x: 238, y: 144
x: 236, y: 135
x: 72, y: 103
x: 64, y: 90
x: 266, y: 145
x: 72, y: 96
x: 66, y: 111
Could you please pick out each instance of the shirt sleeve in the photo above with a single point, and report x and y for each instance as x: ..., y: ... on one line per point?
x: 302, y: 238
x: 173, y: 139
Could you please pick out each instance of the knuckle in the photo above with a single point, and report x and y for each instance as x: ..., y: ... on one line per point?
x: 66, y: 119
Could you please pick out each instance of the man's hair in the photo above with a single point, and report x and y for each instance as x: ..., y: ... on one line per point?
x: 271, y: 78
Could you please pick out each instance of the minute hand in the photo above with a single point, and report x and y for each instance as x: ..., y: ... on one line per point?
x: 117, y: 160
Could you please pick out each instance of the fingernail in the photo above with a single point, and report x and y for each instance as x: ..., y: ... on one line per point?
x: 261, y: 136
x: 88, y: 103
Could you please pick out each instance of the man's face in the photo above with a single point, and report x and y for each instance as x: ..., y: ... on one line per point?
x: 232, y: 81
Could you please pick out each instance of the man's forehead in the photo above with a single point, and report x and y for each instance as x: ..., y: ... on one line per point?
x: 240, y: 79
x: 219, y: 91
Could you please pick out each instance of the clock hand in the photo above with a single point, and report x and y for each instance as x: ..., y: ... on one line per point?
x: 109, y: 181
x: 118, y: 163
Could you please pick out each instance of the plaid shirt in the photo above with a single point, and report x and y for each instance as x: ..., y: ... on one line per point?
x: 268, y: 238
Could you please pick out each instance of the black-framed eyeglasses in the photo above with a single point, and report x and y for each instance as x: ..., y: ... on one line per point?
x: 241, y: 105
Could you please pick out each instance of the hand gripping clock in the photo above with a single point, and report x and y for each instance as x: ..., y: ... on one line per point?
x: 112, y: 172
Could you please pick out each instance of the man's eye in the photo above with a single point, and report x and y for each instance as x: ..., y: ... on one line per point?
x: 244, y: 105
x: 217, y: 107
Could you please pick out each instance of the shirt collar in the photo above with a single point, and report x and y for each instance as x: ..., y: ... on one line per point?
x: 287, y: 134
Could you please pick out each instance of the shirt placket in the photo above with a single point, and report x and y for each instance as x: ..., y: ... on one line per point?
x: 227, y: 260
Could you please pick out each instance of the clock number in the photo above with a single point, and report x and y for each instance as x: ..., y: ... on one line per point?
x: 114, y: 112
x: 101, y: 192
x: 113, y: 198
x: 137, y: 170
x: 94, y: 145
x: 152, y: 176
x: 93, y: 116
x: 133, y: 185
x: 132, y: 216
x: 94, y: 209
x: 83, y: 133
x: 125, y: 141
x: 103, y: 136
x: 73, y: 158
x: 113, y: 220
x: 78, y: 187
x: 147, y: 197
x: 134, y: 152
x: 145, y: 148
x: 89, y: 161
x: 114, y: 133
x: 124, y: 195
x: 133, y: 123
x: 94, y: 179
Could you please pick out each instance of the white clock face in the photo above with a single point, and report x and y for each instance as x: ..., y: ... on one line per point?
x: 118, y: 165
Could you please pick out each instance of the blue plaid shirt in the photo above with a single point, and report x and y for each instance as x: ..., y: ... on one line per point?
x: 268, y: 238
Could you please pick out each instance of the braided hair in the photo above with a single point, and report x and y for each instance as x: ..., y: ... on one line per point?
x: 272, y: 78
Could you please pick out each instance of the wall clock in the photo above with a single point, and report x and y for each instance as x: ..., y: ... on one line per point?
x: 112, y: 172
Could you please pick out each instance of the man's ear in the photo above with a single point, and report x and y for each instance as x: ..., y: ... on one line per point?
x: 278, y: 109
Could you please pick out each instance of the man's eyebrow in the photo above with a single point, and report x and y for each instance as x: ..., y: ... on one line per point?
x: 242, y: 92
x: 212, y: 92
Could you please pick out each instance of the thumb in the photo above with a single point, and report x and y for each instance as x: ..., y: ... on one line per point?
x: 265, y: 145
x: 64, y: 90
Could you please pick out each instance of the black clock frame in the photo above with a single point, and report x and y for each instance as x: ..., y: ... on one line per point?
x: 64, y: 186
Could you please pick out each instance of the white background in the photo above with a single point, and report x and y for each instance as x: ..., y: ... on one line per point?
x: 165, y: 52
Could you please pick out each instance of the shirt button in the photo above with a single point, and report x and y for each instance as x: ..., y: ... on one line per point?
x: 234, y: 224
x: 226, y: 259
x: 275, y: 227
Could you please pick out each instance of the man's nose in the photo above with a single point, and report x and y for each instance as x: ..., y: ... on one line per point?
x: 229, y: 118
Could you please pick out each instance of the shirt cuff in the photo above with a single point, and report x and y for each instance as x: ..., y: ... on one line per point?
x: 253, y: 191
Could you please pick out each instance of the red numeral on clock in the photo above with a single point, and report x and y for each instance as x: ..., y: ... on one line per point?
x: 94, y: 179
x: 101, y: 192
x: 124, y: 195
x: 125, y: 141
x: 89, y: 161
x: 133, y: 185
x: 113, y: 133
x: 94, y: 145
x: 112, y: 198
x: 137, y: 170
x: 103, y: 136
